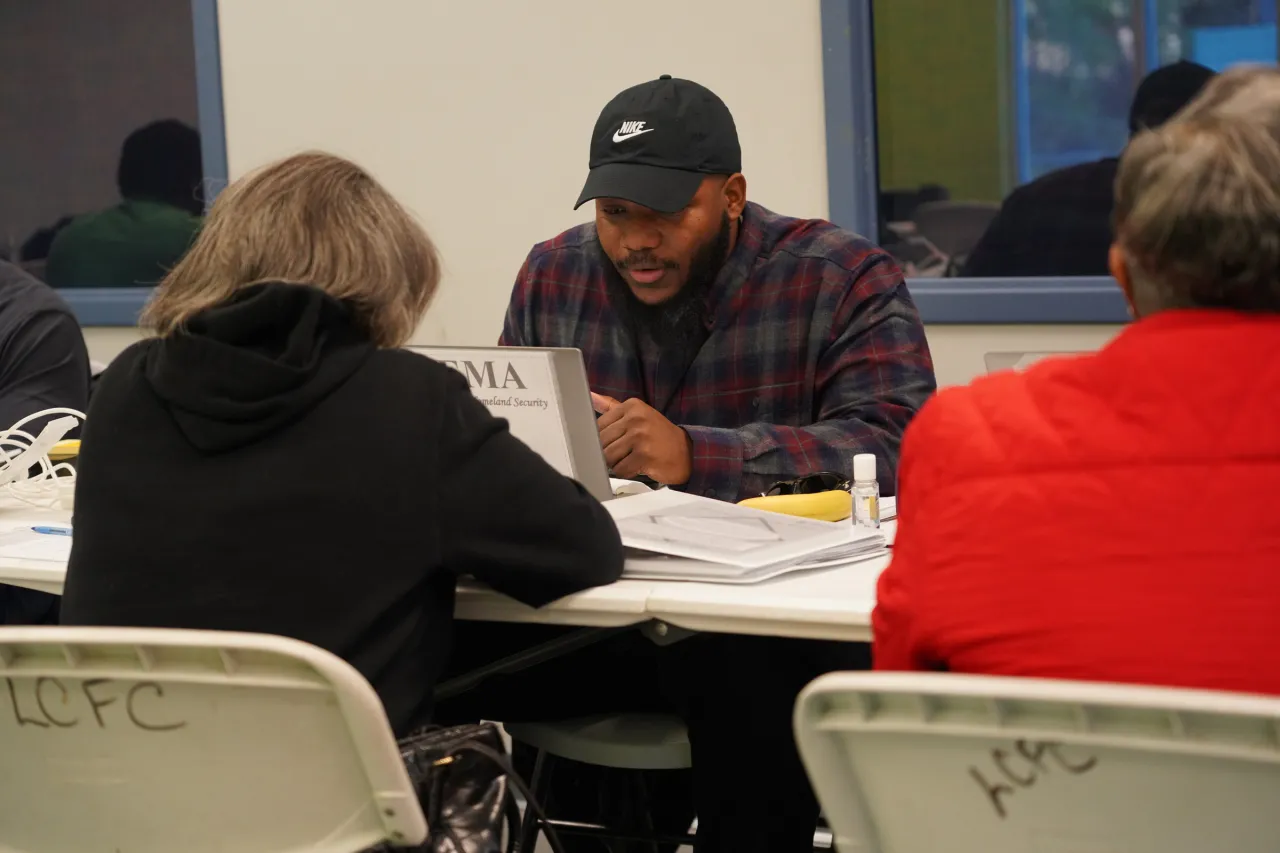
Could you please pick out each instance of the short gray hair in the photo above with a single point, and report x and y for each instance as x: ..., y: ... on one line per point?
x: 1198, y: 200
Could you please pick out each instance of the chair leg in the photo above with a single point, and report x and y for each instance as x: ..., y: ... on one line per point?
x: 823, y: 839
x: 645, y: 812
x: 529, y: 825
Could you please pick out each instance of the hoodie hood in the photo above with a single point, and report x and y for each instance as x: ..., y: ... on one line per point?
x: 251, y: 366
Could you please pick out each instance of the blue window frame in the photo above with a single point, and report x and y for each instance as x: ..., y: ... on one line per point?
x: 852, y: 155
x: 1214, y: 32
x: 213, y: 133
x: 853, y: 179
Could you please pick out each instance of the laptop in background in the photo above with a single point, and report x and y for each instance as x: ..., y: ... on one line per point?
x: 1018, y: 360
x: 542, y: 392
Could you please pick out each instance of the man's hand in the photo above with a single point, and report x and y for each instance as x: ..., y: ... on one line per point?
x: 637, y: 439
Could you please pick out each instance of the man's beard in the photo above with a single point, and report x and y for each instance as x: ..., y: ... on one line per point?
x: 681, y: 320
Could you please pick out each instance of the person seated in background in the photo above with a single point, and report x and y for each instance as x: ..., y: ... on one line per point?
x: 272, y: 461
x: 1060, y: 223
x: 134, y: 243
x: 728, y: 347
x: 44, y: 364
x: 1112, y: 516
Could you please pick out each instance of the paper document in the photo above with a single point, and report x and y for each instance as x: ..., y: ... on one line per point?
x: 644, y: 565
x: 24, y: 543
x: 723, y: 542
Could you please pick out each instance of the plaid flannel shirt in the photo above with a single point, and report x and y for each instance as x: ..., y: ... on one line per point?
x: 815, y: 351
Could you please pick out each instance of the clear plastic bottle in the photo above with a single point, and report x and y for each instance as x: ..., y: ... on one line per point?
x: 866, y: 491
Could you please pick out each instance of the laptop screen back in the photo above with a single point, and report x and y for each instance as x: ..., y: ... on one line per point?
x: 543, y: 394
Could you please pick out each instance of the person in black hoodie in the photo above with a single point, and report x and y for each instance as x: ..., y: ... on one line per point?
x: 273, y: 462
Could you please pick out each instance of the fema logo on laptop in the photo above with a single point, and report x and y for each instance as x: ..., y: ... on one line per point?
x: 484, y: 374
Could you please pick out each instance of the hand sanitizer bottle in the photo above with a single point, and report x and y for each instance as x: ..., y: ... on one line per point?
x: 866, y: 491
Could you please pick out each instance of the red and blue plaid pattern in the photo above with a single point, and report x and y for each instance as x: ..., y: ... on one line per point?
x: 815, y: 351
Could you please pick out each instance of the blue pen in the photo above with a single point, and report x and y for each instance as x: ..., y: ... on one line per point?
x: 53, y: 531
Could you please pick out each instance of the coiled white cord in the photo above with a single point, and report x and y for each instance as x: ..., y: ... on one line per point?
x: 20, y: 452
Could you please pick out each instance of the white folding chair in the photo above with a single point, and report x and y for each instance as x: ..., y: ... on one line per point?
x: 158, y: 740
x: 909, y: 763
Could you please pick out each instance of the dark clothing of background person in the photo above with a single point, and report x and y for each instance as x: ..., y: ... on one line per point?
x: 268, y: 469
x: 36, y: 247
x: 1057, y: 225
x: 160, y: 177
x: 1060, y: 223
x: 44, y: 364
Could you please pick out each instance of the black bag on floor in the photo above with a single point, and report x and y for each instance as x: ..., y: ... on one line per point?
x: 466, y: 786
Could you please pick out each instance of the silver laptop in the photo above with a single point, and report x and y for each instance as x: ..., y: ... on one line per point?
x: 1018, y: 360
x: 523, y: 385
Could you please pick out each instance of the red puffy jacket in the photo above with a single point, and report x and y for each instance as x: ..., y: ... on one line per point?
x: 1110, y: 517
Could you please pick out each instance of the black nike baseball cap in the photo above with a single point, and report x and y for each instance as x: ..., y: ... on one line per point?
x: 654, y: 143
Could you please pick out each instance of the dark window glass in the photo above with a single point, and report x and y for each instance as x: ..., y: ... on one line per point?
x: 999, y: 121
x: 99, y: 154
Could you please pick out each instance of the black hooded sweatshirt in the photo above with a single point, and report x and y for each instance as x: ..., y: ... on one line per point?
x: 269, y: 469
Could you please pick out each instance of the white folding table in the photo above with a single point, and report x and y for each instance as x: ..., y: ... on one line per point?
x: 43, y: 575
x: 825, y: 604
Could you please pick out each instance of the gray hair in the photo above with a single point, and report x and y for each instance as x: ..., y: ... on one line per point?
x: 1198, y: 200
x: 315, y: 219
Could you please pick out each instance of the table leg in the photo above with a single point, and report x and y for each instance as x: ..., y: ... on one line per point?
x: 526, y: 658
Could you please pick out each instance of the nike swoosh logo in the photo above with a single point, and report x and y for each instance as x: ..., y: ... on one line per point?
x: 623, y: 137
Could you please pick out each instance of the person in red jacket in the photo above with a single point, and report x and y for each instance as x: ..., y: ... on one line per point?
x: 1113, y: 516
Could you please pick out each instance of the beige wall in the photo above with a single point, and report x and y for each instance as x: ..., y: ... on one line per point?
x: 478, y: 115
x: 105, y: 343
x: 958, y: 351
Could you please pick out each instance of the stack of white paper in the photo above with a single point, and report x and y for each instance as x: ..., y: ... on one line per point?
x: 674, y: 536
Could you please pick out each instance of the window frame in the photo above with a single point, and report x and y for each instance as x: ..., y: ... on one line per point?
x: 853, y: 184
x: 852, y: 178
x: 120, y: 306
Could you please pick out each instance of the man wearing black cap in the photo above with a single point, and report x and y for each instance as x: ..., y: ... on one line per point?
x: 728, y: 348
x: 1060, y: 223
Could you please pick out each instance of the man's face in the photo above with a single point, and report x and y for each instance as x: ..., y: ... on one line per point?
x: 655, y: 252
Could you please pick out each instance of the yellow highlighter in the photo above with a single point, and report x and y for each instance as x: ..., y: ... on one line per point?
x: 64, y: 450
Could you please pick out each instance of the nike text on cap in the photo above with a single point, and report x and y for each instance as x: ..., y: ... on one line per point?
x: 654, y: 143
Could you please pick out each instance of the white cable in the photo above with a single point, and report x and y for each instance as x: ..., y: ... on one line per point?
x: 20, y: 452
x: 19, y: 446
x: 47, y: 413
x: 18, y: 433
x: 18, y: 467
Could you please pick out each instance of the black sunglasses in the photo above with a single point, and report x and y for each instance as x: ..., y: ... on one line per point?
x: 809, y: 484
